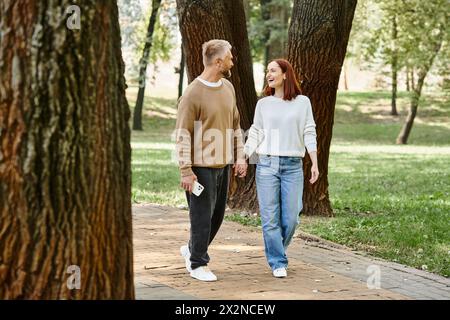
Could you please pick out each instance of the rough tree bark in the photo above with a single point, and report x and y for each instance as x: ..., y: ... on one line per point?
x: 318, y: 37
x: 201, y: 21
x: 137, y: 115
x: 65, y: 177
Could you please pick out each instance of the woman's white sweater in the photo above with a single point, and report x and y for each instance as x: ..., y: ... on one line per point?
x: 282, y: 128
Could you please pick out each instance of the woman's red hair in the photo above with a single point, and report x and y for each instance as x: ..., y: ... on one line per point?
x: 291, y: 85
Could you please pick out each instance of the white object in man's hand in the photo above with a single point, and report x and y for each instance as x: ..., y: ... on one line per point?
x: 187, y: 182
x: 197, y: 188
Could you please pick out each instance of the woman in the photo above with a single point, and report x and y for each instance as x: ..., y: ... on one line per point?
x: 283, y: 126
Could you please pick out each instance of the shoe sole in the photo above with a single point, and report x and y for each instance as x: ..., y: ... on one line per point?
x: 212, y: 280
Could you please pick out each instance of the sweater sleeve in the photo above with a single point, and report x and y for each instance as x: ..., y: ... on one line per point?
x: 184, y: 133
x: 255, y: 133
x: 257, y: 119
x: 309, y: 132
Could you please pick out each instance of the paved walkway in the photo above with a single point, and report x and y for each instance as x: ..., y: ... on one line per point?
x: 317, y: 269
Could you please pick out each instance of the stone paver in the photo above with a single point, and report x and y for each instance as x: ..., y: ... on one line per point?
x: 317, y: 269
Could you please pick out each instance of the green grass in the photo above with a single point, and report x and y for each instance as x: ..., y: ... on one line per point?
x: 393, y: 206
x: 391, y: 201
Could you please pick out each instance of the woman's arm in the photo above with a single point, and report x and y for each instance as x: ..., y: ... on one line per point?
x: 255, y: 133
x: 314, y: 167
x: 311, y: 142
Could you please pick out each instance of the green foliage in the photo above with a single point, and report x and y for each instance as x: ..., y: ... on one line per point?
x: 244, y: 219
x: 134, y: 22
x: 263, y: 29
x: 422, y: 28
x: 132, y: 28
x: 164, y: 37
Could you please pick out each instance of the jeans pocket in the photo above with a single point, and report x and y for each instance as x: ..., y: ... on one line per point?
x: 264, y: 161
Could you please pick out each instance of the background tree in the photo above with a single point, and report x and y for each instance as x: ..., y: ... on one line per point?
x: 430, y: 18
x: 268, y: 24
x: 318, y: 37
x: 132, y: 25
x: 65, y: 178
x: 206, y: 20
x: 137, y: 117
x: 384, y: 41
x: 180, y: 71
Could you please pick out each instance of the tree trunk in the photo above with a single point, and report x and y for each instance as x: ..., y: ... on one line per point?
x: 181, y: 72
x: 417, y: 91
x: 206, y: 20
x: 137, y: 115
x: 65, y: 177
x: 265, y: 16
x: 318, y: 37
x: 345, y: 77
x: 407, y: 79
x: 276, y: 15
x: 394, y: 68
x: 277, y: 48
x: 406, y: 129
x: 247, y: 10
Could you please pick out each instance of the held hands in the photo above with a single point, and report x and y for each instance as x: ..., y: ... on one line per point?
x: 187, y: 182
x: 240, y: 169
x: 314, y: 174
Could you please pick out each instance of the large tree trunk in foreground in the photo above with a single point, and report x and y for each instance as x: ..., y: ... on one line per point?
x: 318, y: 38
x: 210, y: 19
x: 65, y: 197
x: 137, y: 115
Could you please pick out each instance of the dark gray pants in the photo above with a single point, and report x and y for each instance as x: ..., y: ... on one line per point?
x: 206, y: 212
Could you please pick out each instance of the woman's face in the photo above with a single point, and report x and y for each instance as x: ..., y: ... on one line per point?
x: 274, y: 75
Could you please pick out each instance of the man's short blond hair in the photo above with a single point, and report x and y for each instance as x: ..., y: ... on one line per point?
x: 213, y: 49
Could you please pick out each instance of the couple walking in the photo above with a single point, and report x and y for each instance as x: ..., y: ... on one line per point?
x: 210, y: 144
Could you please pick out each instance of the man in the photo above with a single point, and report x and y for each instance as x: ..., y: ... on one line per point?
x: 209, y: 138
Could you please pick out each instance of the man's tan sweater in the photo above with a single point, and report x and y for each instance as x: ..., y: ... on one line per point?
x: 208, y: 133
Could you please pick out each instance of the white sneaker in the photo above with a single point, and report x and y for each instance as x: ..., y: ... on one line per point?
x: 203, y: 274
x: 184, y: 250
x: 280, y: 273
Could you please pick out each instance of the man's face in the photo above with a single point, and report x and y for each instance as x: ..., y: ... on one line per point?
x: 226, y: 64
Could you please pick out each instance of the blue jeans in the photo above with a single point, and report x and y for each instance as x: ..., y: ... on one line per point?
x: 279, y: 184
